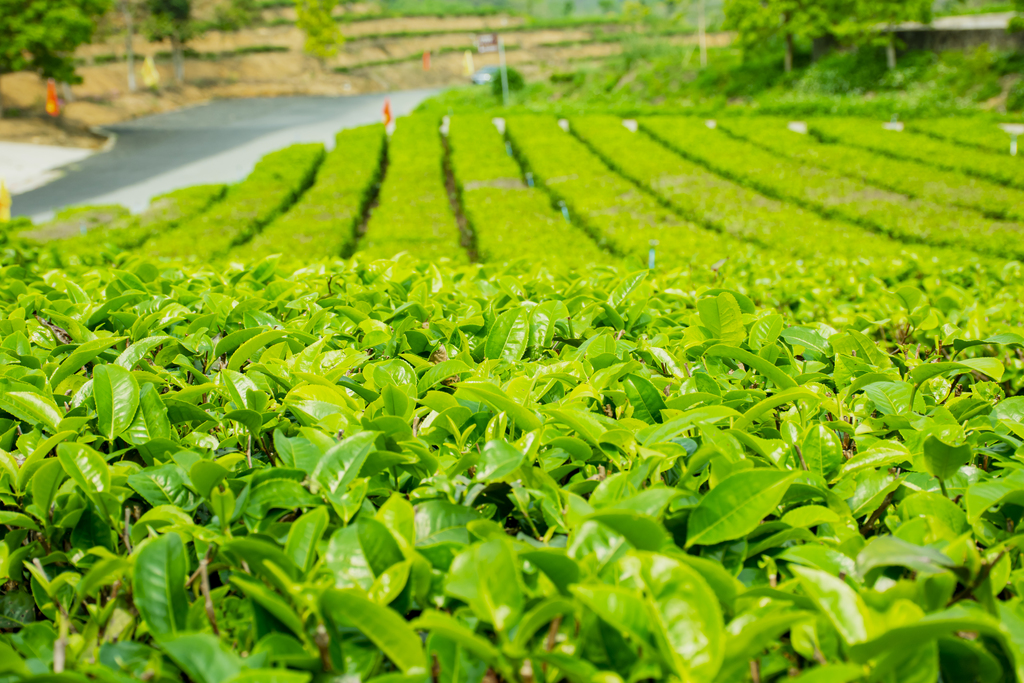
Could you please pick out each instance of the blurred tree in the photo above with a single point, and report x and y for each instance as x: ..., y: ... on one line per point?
x: 322, y: 34
x: 608, y: 6
x: 41, y: 36
x: 128, y: 9
x: 635, y: 12
x: 568, y: 8
x: 759, y: 20
x: 1017, y: 23
x: 172, y: 20
x: 516, y: 82
x: 872, y: 22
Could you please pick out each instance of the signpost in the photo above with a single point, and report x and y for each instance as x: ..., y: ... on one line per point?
x: 487, y: 42
x: 492, y: 42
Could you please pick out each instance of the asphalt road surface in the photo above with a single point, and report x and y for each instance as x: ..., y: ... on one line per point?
x: 219, y: 142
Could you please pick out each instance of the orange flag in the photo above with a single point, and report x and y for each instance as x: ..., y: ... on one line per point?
x: 387, y: 111
x: 52, y: 105
x: 426, y: 61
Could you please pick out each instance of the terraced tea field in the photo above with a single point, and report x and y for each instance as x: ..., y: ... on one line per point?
x: 527, y: 400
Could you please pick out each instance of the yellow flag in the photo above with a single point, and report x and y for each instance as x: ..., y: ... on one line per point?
x: 150, y: 76
x: 5, y: 203
x: 468, y: 59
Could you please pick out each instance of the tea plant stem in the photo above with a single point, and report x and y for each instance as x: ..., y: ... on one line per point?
x: 205, y: 588
x: 126, y: 534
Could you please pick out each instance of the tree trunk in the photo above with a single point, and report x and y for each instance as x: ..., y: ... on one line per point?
x: 178, y: 57
x: 787, y: 61
x: 1, y: 96
x: 129, y: 49
x: 702, y: 37
x: 890, y: 52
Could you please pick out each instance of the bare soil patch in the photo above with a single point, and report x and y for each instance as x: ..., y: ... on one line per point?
x: 41, y: 131
x: 372, y: 64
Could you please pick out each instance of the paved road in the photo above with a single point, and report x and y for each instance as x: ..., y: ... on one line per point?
x: 213, y: 143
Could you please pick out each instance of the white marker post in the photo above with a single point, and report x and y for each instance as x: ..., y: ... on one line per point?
x: 895, y: 125
x: 1015, y: 130
x: 650, y: 254
x: 565, y: 211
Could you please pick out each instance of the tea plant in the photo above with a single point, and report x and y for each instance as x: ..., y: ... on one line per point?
x: 257, y: 474
x: 791, y: 450
x: 414, y: 213
x: 907, y: 177
x: 618, y: 215
x: 510, y: 220
x: 325, y: 220
x: 833, y: 194
x: 272, y: 187
x: 997, y: 167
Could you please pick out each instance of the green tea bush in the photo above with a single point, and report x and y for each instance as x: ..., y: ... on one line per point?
x: 788, y: 452
x: 722, y: 205
x: 907, y: 145
x: 833, y: 194
x: 617, y: 214
x: 274, y: 185
x: 414, y: 213
x: 906, y: 177
x: 324, y: 221
x: 76, y: 220
x: 165, y: 212
x: 509, y: 219
x: 401, y: 469
x: 971, y: 131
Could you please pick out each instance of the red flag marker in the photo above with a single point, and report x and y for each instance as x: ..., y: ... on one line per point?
x: 426, y: 60
x: 387, y: 111
x: 52, y: 105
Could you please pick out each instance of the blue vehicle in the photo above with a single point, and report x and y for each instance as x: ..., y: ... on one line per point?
x: 485, y: 75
